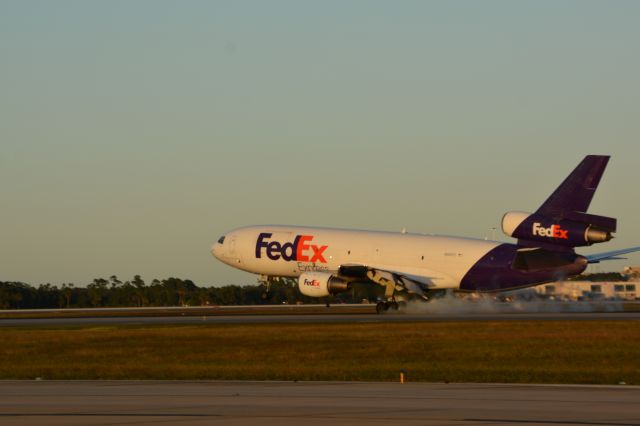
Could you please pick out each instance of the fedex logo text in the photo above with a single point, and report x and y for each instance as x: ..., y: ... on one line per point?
x: 311, y: 283
x: 554, y: 231
x: 299, y: 250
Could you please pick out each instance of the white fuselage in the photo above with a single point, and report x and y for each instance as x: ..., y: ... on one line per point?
x: 289, y: 251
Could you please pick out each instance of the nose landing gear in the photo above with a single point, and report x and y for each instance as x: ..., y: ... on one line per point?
x: 265, y: 282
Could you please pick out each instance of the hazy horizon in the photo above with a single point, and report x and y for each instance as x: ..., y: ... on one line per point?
x: 134, y: 134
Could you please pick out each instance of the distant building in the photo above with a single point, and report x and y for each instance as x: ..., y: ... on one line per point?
x: 633, y: 272
x: 590, y: 290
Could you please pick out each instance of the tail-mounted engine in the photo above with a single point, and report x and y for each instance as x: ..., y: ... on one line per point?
x: 321, y: 284
x: 571, y: 230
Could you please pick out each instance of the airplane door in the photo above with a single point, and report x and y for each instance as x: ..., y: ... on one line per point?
x: 232, y: 246
x: 232, y: 249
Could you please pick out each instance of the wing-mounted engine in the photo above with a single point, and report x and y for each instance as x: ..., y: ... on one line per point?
x: 570, y: 230
x: 322, y: 284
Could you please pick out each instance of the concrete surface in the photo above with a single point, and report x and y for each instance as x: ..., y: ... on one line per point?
x: 313, y: 403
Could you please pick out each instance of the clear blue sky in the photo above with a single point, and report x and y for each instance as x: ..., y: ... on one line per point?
x: 133, y: 134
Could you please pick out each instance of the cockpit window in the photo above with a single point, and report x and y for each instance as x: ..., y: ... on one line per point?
x: 221, y: 240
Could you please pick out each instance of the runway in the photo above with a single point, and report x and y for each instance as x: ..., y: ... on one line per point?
x: 313, y: 403
x: 329, y: 318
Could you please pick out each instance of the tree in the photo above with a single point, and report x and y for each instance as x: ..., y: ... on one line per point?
x: 66, y: 293
x: 139, y: 286
x: 97, y: 291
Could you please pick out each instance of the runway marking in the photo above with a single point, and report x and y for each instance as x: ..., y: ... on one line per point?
x: 107, y: 415
x: 319, y: 416
x: 552, y: 422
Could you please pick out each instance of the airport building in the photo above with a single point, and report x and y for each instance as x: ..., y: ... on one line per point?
x: 595, y: 290
x: 590, y: 290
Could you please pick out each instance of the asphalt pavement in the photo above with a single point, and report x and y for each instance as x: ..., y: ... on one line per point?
x: 313, y: 403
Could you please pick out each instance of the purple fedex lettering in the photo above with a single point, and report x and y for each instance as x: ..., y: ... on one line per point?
x: 295, y: 250
x: 261, y: 243
x: 274, y: 249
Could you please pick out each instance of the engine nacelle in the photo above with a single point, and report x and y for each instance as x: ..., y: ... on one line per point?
x: 321, y: 284
x: 564, y: 232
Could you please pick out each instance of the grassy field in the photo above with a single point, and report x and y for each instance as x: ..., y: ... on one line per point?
x: 515, y: 351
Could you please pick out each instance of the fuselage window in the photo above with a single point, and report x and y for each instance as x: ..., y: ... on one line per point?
x: 221, y: 240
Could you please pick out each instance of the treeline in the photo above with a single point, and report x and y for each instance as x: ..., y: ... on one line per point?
x: 113, y: 292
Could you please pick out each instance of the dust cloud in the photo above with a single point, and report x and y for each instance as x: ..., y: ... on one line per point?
x: 489, y: 304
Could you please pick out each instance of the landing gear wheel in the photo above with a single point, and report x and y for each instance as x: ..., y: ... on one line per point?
x: 382, y: 307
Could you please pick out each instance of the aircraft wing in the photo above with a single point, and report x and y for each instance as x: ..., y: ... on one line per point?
x: 391, y: 280
x: 610, y: 255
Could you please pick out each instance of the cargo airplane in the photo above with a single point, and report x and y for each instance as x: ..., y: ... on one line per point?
x: 327, y: 261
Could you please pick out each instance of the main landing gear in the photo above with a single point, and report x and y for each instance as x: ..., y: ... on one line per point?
x: 382, y: 307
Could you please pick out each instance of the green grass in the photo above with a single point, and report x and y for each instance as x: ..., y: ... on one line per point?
x: 597, y: 352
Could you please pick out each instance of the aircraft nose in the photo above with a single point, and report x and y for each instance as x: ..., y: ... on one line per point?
x: 216, y: 250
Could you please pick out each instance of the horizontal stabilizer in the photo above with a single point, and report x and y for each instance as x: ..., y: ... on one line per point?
x: 610, y: 255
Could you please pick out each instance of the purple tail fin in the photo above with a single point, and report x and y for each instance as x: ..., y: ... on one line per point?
x: 577, y: 190
x: 561, y: 223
